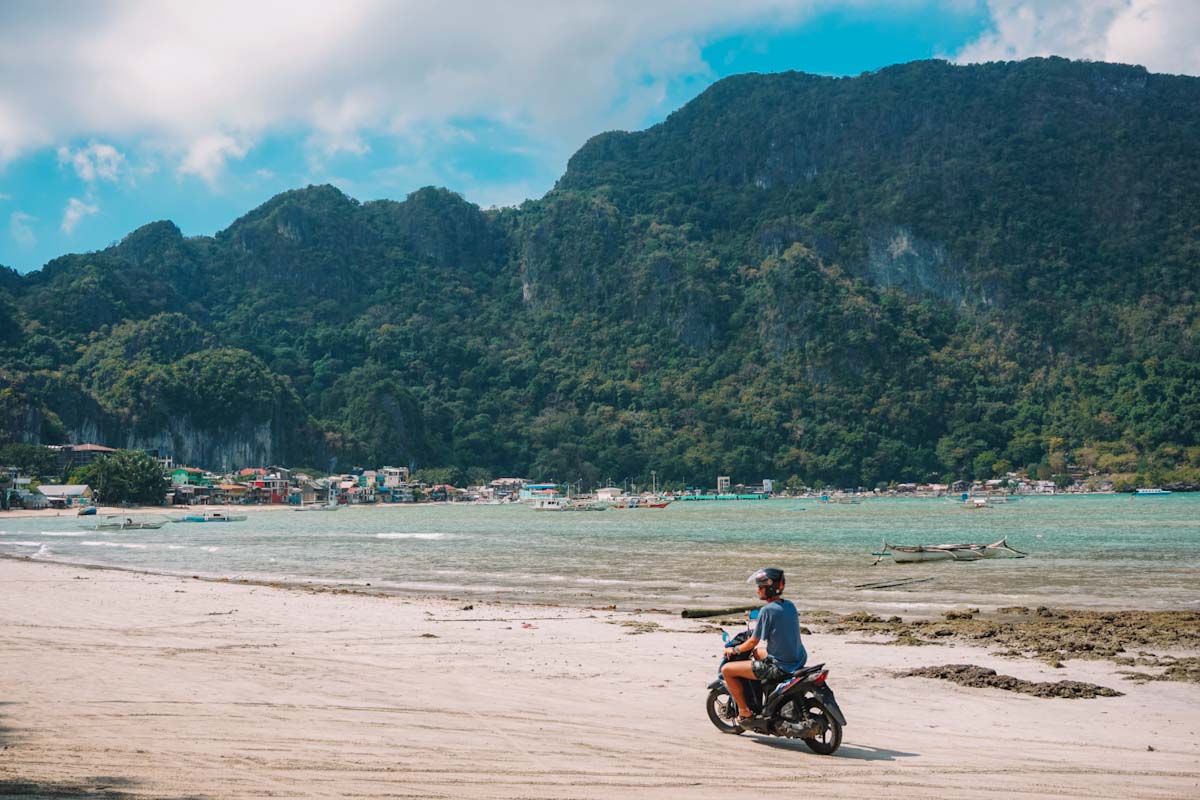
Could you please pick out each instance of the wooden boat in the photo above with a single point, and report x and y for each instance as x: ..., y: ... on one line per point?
x: 909, y: 554
x: 211, y: 516
x: 554, y: 503
x: 126, y: 524
x: 587, y: 505
x: 330, y: 506
x: 648, y: 501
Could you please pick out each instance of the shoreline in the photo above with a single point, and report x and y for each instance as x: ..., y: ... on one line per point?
x: 166, y: 511
x: 171, y: 687
x: 923, y: 608
x: 925, y: 611
x: 275, y: 507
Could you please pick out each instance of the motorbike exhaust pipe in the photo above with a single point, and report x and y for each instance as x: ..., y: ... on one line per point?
x: 794, y: 731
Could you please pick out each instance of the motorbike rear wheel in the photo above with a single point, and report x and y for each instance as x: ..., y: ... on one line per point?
x: 722, y: 711
x: 830, y: 738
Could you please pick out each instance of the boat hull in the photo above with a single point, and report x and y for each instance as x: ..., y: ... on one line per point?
x: 212, y: 519
x: 902, y: 554
x: 642, y: 502
x: 917, y: 557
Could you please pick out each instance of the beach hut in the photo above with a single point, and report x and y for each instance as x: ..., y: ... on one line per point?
x: 66, y: 495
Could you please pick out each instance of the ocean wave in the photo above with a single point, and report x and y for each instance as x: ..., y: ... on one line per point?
x: 618, y: 582
x: 24, y: 544
x: 65, y: 533
x: 411, y: 535
x: 130, y: 545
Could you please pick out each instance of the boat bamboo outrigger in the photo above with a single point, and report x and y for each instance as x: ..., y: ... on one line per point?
x: 119, y: 523
x: 908, y: 554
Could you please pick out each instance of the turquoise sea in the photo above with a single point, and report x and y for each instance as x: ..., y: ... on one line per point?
x: 1106, y: 551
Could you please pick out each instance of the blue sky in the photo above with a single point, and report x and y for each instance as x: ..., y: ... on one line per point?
x: 115, y: 113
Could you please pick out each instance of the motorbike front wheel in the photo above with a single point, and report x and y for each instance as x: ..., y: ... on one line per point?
x: 830, y: 737
x: 722, y: 710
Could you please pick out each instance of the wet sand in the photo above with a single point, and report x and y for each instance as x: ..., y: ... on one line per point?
x: 126, y: 685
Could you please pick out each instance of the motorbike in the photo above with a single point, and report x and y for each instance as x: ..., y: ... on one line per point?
x: 801, y: 706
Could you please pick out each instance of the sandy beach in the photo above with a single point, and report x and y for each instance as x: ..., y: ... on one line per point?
x: 120, y: 684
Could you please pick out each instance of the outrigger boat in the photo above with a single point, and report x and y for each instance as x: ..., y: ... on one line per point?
x: 211, y: 516
x: 908, y: 554
x: 116, y: 523
x: 332, y: 505
x: 567, y: 504
x: 588, y: 505
x: 643, y: 501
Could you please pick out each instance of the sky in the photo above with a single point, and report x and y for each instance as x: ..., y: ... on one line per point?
x: 116, y: 113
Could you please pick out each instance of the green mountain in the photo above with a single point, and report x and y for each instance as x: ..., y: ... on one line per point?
x: 926, y: 271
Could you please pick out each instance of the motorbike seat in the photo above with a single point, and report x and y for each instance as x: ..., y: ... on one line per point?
x: 803, y: 672
x: 806, y: 671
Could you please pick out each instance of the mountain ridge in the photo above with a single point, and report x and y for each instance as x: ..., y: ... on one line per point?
x: 925, y: 270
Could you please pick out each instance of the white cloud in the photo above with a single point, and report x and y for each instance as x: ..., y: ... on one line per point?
x: 20, y: 230
x: 195, y: 86
x: 343, y: 73
x: 1161, y: 35
x: 205, y: 157
x: 75, y: 211
x: 94, y: 161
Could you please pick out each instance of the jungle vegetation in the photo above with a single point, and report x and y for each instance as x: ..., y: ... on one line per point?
x: 928, y: 272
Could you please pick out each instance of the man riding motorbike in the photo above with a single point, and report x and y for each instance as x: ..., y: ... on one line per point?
x: 776, y: 646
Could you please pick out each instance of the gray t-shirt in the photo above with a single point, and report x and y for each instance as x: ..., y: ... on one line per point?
x: 779, y: 625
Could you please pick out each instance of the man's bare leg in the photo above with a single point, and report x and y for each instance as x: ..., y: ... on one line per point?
x: 735, y: 674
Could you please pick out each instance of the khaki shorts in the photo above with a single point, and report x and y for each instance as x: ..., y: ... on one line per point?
x: 769, y: 671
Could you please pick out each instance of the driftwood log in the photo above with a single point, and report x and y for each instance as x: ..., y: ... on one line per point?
x: 891, y: 583
x: 698, y: 613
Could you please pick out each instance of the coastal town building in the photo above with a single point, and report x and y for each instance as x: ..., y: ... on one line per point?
x: 191, y: 485
x: 444, y: 492
x: 277, y: 484
x: 505, y: 488
x: 532, y: 491
x: 230, y: 493
x: 69, y: 495
x: 73, y: 456
x: 270, y: 486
